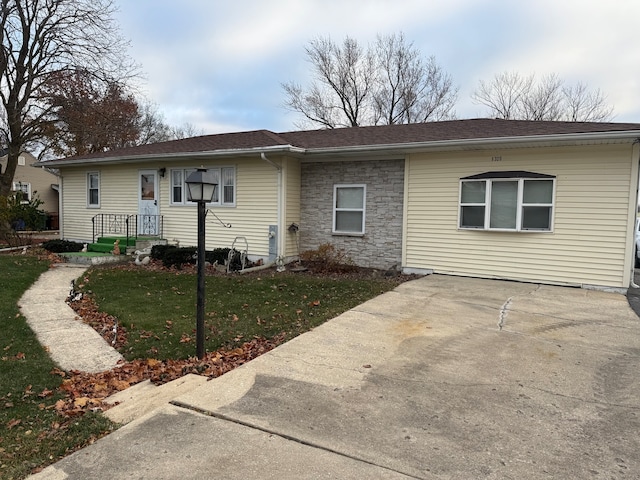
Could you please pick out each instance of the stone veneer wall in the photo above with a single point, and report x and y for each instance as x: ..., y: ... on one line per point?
x: 381, y: 245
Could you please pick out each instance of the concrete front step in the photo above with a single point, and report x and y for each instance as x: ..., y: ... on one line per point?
x: 107, y: 244
x: 92, y: 258
x: 144, y: 397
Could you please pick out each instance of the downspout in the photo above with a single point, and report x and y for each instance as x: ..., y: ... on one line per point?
x: 279, y: 248
x: 60, y: 206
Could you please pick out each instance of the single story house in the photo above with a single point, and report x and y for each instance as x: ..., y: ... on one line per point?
x: 549, y: 202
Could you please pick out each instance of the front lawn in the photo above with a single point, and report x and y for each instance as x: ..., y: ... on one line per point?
x: 44, y: 412
x: 157, y: 308
x: 32, y: 432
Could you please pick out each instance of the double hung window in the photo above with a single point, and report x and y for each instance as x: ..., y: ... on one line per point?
x: 225, y: 193
x: 25, y: 188
x: 510, y: 201
x: 349, y: 209
x: 93, y: 190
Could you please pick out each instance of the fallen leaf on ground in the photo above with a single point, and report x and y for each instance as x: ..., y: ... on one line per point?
x: 13, y: 423
x: 81, y: 402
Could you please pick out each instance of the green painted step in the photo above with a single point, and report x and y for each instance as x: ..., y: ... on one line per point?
x: 112, y: 240
x: 105, y: 244
x: 100, y: 247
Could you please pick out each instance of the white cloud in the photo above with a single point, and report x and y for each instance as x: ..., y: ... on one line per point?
x: 219, y: 64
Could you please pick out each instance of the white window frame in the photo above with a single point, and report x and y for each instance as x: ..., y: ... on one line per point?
x: 336, y: 209
x: 97, y: 189
x: 520, y: 205
x: 20, y: 187
x: 220, y: 190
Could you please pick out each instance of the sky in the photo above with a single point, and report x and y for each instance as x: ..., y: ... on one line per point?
x: 219, y: 64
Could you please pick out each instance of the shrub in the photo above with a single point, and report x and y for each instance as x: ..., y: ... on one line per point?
x: 219, y: 255
x: 172, y: 256
x: 327, y: 258
x: 62, y: 246
x: 178, y: 256
x: 158, y: 251
x: 21, y: 214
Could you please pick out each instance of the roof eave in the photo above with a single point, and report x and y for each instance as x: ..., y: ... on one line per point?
x: 628, y: 136
x: 591, y: 138
x: 164, y: 157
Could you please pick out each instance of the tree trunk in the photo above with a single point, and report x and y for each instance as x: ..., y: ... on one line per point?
x: 6, y: 177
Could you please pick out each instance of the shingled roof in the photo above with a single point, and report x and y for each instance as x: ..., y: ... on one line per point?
x: 361, y: 137
x: 483, y: 128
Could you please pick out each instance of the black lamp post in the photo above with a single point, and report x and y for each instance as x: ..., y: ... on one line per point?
x: 201, y: 185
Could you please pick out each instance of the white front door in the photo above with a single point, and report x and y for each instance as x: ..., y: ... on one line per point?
x: 148, y: 219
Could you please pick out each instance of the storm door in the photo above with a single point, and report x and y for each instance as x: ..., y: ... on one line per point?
x: 148, y: 219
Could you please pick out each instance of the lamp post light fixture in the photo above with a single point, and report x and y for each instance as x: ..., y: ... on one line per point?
x: 201, y: 186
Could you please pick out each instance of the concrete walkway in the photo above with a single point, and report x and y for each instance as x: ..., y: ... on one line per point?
x: 72, y: 344
x: 442, y: 378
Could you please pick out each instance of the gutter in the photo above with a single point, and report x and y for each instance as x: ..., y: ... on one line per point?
x: 468, y: 144
x: 392, y: 148
x: 236, y: 152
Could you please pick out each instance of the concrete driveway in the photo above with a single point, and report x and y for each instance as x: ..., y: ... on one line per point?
x: 445, y: 377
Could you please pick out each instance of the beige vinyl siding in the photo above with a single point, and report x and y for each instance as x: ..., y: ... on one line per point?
x: 589, y: 241
x: 76, y: 217
x: 292, y: 173
x: 118, y: 194
x: 254, y: 211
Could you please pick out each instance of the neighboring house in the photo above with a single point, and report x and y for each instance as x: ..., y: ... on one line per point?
x: 35, y: 181
x: 549, y: 202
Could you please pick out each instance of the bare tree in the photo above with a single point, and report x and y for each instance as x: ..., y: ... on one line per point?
x: 341, y: 92
x: 512, y: 96
x: 187, y: 130
x: 544, y: 100
x: 410, y: 89
x: 41, y: 38
x: 151, y: 125
x: 387, y: 83
x: 586, y: 106
x: 503, y: 95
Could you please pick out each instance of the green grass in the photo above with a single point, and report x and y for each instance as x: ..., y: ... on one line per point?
x: 158, y: 311
x: 32, y: 434
x: 158, y: 308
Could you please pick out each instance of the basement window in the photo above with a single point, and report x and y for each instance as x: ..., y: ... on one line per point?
x: 507, y: 201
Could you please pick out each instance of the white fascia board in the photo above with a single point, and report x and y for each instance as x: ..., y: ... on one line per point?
x: 480, y: 143
x: 628, y: 136
x: 164, y: 157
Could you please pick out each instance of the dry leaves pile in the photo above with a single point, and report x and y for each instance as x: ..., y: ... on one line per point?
x: 87, y: 391
x: 103, y: 323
